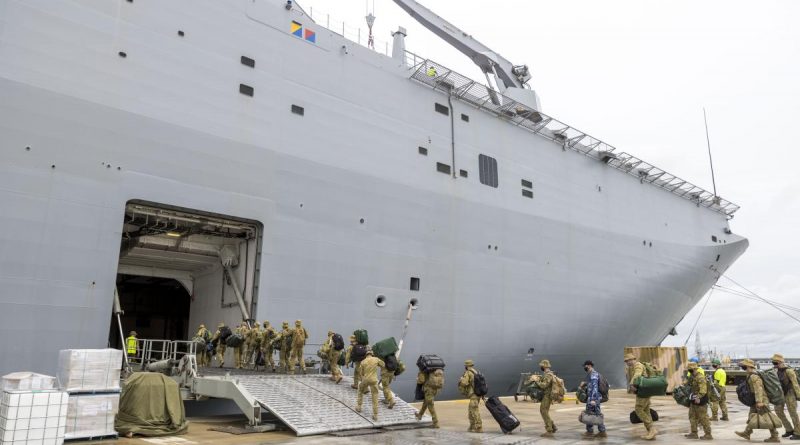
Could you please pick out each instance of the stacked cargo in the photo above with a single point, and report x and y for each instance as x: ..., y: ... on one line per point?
x: 32, y: 411
x: 91, y: 376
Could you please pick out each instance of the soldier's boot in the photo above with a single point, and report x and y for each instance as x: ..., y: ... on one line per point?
x: 692, y: 435
x: 555, y: 428
x: 338, y: 379
x: 358, y: 409
x: 788, y: 433
x: 601, y: 435
x: 651, y: 434
x: 547, y: 434
x: 588, y: 435
x: 391, y: 404
x: 773, y: 439
x: 724, y: 418
x: 354, y: 386
x: 714, y: 418
x: 743, y: 434
x: 707, y: 437
x: 478, y: 429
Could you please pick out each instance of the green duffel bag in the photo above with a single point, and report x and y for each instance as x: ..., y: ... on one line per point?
x: 234, y: 340
x: 362, y: 338
x: 682, y: 395
x: 385, y: 347
x: 534, y: 392
x: 651, y: 386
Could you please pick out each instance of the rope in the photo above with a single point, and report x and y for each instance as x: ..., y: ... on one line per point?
x: 750, y: 297
x: 698, y: 317
x: 762, y: 299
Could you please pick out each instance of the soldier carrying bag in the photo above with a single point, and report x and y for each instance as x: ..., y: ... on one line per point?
x: 746, y: 397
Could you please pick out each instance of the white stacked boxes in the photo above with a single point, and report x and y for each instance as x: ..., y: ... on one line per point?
x: 91, y: 376
x: 33, y: 417
x: 91, y: 415
x: 28, y: 381
x: 89, y: 370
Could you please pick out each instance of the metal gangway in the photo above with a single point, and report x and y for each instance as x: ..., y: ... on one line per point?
x: 308, y: 404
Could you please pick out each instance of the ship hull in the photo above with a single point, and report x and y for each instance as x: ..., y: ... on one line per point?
x: 593, y: 263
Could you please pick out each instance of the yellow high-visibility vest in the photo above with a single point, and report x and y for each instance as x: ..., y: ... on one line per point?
x: 131, y: 342
x: 721, y: 377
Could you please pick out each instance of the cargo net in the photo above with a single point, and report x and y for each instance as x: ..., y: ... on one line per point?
x: 467, y: 90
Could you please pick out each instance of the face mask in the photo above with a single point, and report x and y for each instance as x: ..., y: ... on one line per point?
x: 542, y: 368
x: 744, y: 368
x: 586, y: 368
x: 775, y: 364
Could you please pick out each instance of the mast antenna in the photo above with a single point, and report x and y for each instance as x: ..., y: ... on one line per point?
x: 370, y: 22
x: 710, y: 159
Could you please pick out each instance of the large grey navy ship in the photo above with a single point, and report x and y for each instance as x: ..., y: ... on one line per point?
x: 224, y: 160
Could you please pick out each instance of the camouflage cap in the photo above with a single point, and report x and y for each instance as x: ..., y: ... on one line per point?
x: 266, y: 324
x: 298, y: 322
x: 469, y: 363
x: 330, y: 333
x: 691, y: 366
x: 369, y: 352
x: 202, y: 326
x: 544, y: 363
x: 778, y: 358
x: 748, y: 363
x: 629, y: 356
x: 285, y: 324
x: 352, y: 338
x: 221, y: 324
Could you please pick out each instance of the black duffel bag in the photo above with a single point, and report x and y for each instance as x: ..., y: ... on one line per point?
x: 635, y: 419
x: 429, y: 362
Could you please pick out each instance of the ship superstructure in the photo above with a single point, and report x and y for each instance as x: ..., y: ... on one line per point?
x: 220, y: 160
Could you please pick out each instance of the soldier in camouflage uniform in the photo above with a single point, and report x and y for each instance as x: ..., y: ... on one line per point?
x: 466, y: 386
x: 299, y: 337
x: 242, y: 330
x: 333, y: 359
x: 348, y: 359
x: 432, y: 382
x: 220, y: 348
x: 369, y: 382
x: 268, y: 335
x: 286, y: 346
x: 698, y: 409
x: 252, y: 344
x: 756, y: 386
x: 788, y: 379
x: 545, y: 383
x: 203, y: 356
x: 642, y: 408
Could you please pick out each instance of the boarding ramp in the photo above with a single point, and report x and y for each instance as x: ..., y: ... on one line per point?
x: 309, y: 404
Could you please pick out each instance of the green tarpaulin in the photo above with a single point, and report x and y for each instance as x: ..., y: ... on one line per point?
x: 151, y: 405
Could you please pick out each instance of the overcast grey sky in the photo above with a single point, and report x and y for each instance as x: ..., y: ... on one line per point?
x: 637, y: 74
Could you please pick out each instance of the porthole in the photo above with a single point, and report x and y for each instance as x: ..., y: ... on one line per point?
x: 414, y: 303
x: 380, y: 301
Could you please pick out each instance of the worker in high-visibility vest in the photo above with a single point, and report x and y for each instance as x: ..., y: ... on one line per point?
x: 132, y: 344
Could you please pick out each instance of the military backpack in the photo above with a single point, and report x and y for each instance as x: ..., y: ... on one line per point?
x: 479, y: 385
x: 338, y: 342
x: 682, y: 395
x: 651, y: 370
x: 557, y: 390
x: 745, y: 395
x: 772, y: 386
x: 436, y: 379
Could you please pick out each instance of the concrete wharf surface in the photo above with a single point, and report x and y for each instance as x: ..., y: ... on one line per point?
x: 673, y: 424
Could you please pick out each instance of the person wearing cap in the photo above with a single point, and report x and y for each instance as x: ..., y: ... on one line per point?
x: 432, y: 382
x: 545, y: 383
x: 219, y: 343
x: 268, y: 336
x: 286, y: 346
x: 698, y: 408
x: 348, y: 360
x: 720, y: 379
x: 756, y: 386
x: 203, y: 356
x: 132, y: 344
x: 238, y: 356
x: 466, y: 386
x: 253, y: 344
x: 788, y: 379
x: 699, y: 369
x: 299, y: 338
x: 369, y: 382
x: 642, y: 408
x: 593, y: 400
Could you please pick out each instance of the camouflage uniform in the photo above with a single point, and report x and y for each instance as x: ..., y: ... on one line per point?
x: 430, y: 391
x: 286, y: 346
x: 369, y: 382
x: 349, y: 359
x: 466, y: 385
x: 253, y: 344
x: 721, y: 404
x: 268, y: 335
x: 756, y: 386
x: 220, y: 349
x: 698, y: 414
x: 333, y: 359
x: 545, y: 382
x: 298, y: 342
x: 203, y: 356
x: 237, y: 351
x: 386, y: 383
x: 791, y: 389
x: 642, y: 407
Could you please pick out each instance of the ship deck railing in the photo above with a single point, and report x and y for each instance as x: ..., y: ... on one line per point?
x: 460, y: 87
